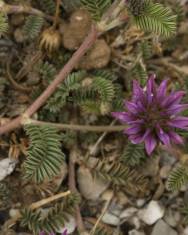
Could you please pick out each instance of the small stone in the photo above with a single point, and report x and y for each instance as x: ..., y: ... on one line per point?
x: 167, y: 159
x: 129, y: 212
x: 7, y: 166
x: 172, y: 217
x: 14, y: 212
x: 111, y: 219
x: 140, y: 202
x: 162, y: 228
x: 122, y: 199
x: 164, y: 171
x: 151, y: 167
x: 91, y: 188
x: 185, y: 231
x: 135, y: 232
x: 153, y: 212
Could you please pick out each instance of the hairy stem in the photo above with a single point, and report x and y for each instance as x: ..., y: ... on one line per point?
x: 16, y: 9
x: 75, y: 127
x: 86, y: 45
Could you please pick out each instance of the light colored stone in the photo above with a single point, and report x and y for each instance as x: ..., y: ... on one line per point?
x: 7, y: 166
x: 164, y: 171
x: 127, y: 213
x: 111, y: 219
x: 153, y: 212
x: 135, y: 232
x: 140, y: 202
x: 185, y: 231
x: 70, y: 226
x: 172, y: 217
x: 91, y: 188
x: 162, y: 228
x: 151, y: 167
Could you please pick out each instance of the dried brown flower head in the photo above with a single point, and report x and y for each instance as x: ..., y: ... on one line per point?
x: 50, y: 40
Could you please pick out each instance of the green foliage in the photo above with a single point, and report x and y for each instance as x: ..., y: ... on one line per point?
x: 118, y: 174
x: 59, y: 99
x: 96, y: 7
x: 133, y: 154
x: 140, y: 73
x: 157, y: 19
x: 3, y: 23
x: 107, y: 74
x: 115, y: 173
x: 145, y: 48
x: 44, y: 154
x: 53, y: 220
x: 4, y: 196
x: 178, y: 178
x: 46, y: 70
x: 33, y: 26
x: 48, y: 6
x: 92, y: 94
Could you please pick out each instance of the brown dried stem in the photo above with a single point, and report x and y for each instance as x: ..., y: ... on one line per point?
x: 86, y: 45
x: 16, y: 9
x: 72, y: 188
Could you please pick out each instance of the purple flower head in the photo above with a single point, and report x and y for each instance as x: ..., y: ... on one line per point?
x: 153, y: 115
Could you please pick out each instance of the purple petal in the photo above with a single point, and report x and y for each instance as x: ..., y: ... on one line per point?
x: 179, y: 122
x: 138, y: 138
x: 135, y: 129
x: 176, y: 108
x: 164, y: 137
x: 161, y: 91
x: 132, y: 107
x: 150, y: 89
x: 122, y: 116
x: 150, y: 143
x: 177, y: 139
x: 65, y: 232
x: 172, y: 99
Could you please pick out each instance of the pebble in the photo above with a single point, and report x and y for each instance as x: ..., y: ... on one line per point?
x: 172, y: 217
x: 153, y: 212
x: 185, y: 231
x: 162, y: 228
x: 7, y: 166
x: 91, y: 188
x: 135, y: 232
x: 129, y: 212
x: 111, y: 219
x: 164, y: 172
x: 140, y: 202
x: 151, y: 167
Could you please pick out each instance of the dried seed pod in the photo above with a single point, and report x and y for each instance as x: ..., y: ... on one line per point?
x: 50, y: 40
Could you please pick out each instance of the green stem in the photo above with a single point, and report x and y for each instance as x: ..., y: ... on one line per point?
x: 75, y: 127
